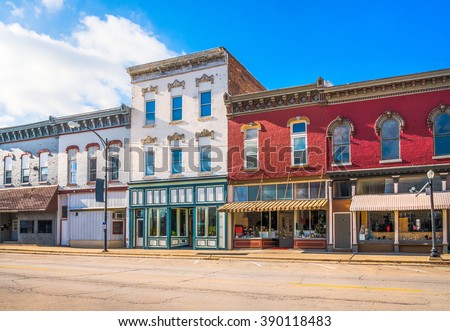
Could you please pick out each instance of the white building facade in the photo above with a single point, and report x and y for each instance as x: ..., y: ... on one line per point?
x: 178, y: 149
x: 81, y: 162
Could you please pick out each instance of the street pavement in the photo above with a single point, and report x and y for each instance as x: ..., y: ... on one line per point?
x: 281, y: 255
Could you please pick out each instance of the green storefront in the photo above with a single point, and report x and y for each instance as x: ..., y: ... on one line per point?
x: 181, y: 213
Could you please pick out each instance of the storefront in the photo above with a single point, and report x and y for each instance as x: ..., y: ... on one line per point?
x: 178, y: 214
x: 400, y: 222
x: 279, y: 215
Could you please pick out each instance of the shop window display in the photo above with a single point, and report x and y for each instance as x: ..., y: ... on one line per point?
x: 416, y: 225
x: 379, y: 226
x: 311, y: 224
x: 256, y: 225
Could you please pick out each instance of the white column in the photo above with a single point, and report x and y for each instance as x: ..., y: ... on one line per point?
x: 396, y: 235
x: 445, y: 227
x: 354, y: 232
x: 330, y: 213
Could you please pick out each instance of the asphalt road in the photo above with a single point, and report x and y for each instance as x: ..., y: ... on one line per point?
x: 58, y: 282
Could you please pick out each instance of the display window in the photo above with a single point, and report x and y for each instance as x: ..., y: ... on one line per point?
x: 377, y: 225
x: 252, y: 225
x: 416, y: 225
x: 311, y: 224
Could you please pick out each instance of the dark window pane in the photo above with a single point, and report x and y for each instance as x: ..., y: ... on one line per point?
x: 390, y: 149
x: 269, y: 192
x: 254, y: 193
x: 389, y: 129
x: 299, y: 128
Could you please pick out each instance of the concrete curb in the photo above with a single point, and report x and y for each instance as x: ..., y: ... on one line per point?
x: 349, y: 258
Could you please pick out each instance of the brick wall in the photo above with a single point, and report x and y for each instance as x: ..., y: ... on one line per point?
x: 241, y: 81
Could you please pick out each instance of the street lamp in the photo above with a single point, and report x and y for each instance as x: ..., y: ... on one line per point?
x: 74, y: 125
x: 434, y: 250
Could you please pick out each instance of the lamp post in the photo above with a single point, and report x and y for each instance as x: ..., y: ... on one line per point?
x: 73, y: 125
x: 434, y: 250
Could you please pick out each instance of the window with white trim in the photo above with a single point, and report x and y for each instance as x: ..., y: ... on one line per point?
x: 341, y: 144
x: 251, y: 149
x: 71, y: 166
x: 92, y: 163
x: 25, y: 169
x: 43, y: 167
x: 299, y: 144
x: 205, y: 104
x: 114, y: 151
x: 390, y: 140
x: 442, y: 134
x: 7, y: 162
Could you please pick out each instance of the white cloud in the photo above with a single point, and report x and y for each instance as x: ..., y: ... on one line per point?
x: 42, y: 76
x: 15, y: 11
x: 53, y: 5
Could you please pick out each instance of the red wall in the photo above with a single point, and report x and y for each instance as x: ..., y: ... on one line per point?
x: 275, y: 144
x: 416, y: 146
x: 416, y: 140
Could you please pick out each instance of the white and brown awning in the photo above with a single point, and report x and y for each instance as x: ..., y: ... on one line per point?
x: 279, y: 205
x: 392, y: 202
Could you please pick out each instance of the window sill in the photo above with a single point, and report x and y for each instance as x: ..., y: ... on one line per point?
x: 251, y: 169
x: 177, y: 122
x: 115, y: 181
x: 148, y: 126
x: 297, y: 166
x: 391, y: 161
x: 44, y: 183
x: 176, y: 176
x: 440, y: 157
x: 90, y: 183
x: 69, y: 184
x: 341, y: 164
x: 205, y: 118
x: 8, y: 185
x: 149, y: 177
x: 206, y: 173
x: 25, y: 184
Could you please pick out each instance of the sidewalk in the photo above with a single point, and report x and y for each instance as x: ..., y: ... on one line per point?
x: 289, y: 255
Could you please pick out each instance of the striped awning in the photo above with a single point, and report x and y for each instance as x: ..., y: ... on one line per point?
x: 392, y: 202
x: 279, y: 205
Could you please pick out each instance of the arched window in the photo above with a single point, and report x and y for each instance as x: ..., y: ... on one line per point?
x: 442, y: 134
x: 341, y: 144
x: 390, y: 140
x: 388, y: 127
x: 340, y: 130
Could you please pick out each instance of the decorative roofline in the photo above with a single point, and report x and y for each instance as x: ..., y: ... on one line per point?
x: 193, y: 61
x: 54, y: 126
x: 321, y: 93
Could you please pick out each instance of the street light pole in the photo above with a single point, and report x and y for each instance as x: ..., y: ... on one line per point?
x: 72, y: 125
x: 434, y: 250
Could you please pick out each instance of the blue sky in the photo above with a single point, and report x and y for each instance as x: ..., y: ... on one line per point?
x: 59, y: 57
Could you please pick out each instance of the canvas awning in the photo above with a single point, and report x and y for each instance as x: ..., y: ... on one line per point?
x: 42, y: 198
x: 279, y: 205
x: 392, y: 202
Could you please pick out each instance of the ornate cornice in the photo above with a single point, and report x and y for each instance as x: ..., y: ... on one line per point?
x: 340, y: 121
x: 176, y: 136
x: 434, y: 113
x: 388, y: 115
x: 203, y: 79
x: 204, y: 133
x: 175, y: 84
x: 149, y: 140
x: 149, y: 89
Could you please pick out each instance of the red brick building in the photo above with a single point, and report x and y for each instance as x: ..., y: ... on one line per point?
x: 332, y: 167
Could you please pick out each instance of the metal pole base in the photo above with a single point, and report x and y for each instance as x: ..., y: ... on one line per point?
x: 434, y: 253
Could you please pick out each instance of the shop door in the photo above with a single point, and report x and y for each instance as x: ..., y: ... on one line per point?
x: 286, y: 230
x: 139, y: 232
x: 64, y: 233
x: 190, y: 226
x: 342, y: 230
